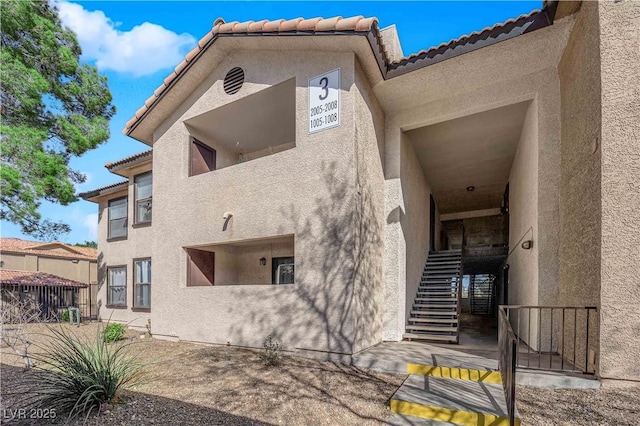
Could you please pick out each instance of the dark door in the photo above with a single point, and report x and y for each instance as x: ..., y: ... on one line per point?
x: 282, y: 270
x: 432, y: 224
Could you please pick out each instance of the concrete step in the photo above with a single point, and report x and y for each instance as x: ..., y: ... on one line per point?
x: 444, y: 306
x: 434, y: 320
x: 433, y: 337
x: 452, y: 312
x: 436, y: 293
x: 436, y: 298
x: 434, y: 265
x: 432, y: 328
x: 458, y: 401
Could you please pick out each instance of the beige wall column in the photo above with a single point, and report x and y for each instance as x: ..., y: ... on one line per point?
x: 620, y: 147
x: 395, y: 245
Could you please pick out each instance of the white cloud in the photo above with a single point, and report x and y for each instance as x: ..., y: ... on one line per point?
x: 91, y: 223
x: 143, y: 50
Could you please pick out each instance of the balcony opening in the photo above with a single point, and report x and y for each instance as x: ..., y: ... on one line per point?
x: 252, y: 127
x: 265, y: 261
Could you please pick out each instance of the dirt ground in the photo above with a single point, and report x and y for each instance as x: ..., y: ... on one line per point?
x: 189, y: 384
x: 579, y: 407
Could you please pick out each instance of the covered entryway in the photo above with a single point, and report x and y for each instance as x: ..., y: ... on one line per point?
x: 468, y: 163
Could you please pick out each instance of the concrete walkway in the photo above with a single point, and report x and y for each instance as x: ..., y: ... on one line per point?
x: 453, y: 384
x: 444, y: 386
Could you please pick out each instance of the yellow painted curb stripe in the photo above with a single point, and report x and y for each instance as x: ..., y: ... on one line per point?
x: 459, y: 417
x: 455, y: 373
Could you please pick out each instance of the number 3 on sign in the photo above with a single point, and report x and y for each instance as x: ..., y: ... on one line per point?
x: 324, y: 101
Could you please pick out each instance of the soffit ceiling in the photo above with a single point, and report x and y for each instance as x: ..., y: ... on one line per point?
x: 476, y: 150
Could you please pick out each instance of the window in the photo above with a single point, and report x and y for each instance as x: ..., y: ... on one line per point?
x: 200, y: 270
x: 203, y: 158
x: 143, y: 197
x: 282, y: 270
x: 142, y: 283
x: 117, y: 286
x: 118, y: 218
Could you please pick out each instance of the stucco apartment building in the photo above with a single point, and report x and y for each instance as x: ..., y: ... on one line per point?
x: 22, y: 258
x: 303, y: 171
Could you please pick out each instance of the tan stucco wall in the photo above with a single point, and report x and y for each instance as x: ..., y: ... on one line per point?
x: 369, y: 217
x: 84, y: 271
x: 308, y: 191
x: 241, y: 265
x: 121, y: 253
x: 444, y: 91
x: 620, y: 189
x: 523, y: 214
x: 579, y: 283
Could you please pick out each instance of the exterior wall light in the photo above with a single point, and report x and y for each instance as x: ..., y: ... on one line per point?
x: 263, y: 261
x: 527, y: 244
x: 75, y: 261
x: 470, y: 188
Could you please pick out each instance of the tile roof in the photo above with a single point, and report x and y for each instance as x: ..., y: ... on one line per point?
x: 130, y: 160
x: 469, y: 42
x: 335, y: 24
x: 354, y: 25
x: 114, y: 187
x: 16, y: 245
x: 39, y: 279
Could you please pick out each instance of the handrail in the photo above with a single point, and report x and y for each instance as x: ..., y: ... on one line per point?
x: 557, y: 338
x: 508, y: 345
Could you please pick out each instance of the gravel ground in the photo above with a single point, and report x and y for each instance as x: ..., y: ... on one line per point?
x: 189, y: 384
x: 579, y: 407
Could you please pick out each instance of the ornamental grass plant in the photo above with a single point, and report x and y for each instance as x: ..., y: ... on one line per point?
x: 80, y: 376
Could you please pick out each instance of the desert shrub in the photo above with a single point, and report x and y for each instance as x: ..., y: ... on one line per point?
x: 271, y: 353
x: 113, y: 332
x: 65, y: 316
x: 79, y: 376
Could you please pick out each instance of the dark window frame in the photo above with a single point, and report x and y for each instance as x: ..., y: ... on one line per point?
x: 126, y: 219
x: 194, y: 141
x: 274, y: 267
x: 109, y: 302
x: 135, y: 277
x: 136, y: 200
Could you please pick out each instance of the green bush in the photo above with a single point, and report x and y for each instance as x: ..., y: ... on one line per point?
x: 65, y: 316
x: 271, y: 354
x: 79, y: 376
x: 113, y: 332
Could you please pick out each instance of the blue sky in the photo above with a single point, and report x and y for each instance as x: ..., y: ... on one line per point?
x: 110, y: 33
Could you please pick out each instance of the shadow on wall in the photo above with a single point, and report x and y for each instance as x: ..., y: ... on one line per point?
x: 335, y: 301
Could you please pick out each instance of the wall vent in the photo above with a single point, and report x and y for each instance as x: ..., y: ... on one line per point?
x: 233, y: 81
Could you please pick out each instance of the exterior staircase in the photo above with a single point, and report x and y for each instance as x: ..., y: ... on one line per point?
x: 434, y: 316
x: 481, y: 294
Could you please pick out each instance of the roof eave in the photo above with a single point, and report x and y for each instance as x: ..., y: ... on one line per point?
x: 372, y: 37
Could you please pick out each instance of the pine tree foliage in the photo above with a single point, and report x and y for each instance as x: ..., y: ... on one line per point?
x: 53, y: 108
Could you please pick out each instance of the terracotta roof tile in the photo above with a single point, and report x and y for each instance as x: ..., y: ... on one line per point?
x: 104, y: 190
x: 39, y: 248
x: 358, y: 24
x: 355, y: 23
x: 139, y: 157
x: 38, y: 279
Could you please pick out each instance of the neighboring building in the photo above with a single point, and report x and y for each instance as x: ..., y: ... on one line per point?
x: 78, y: 264
x: 313, y: 154
x: 51, y: 293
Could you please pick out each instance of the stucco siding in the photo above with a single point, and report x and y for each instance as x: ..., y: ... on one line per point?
x: 579, y: 72
x: 307, y: 191
x: 414, y: 220
x: 523, y: 218
x: 122, y: 253
x: 620, y: 189
x: 370, y: 221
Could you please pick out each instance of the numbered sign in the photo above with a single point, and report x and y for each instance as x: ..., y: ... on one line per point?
x: 324, y: 101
